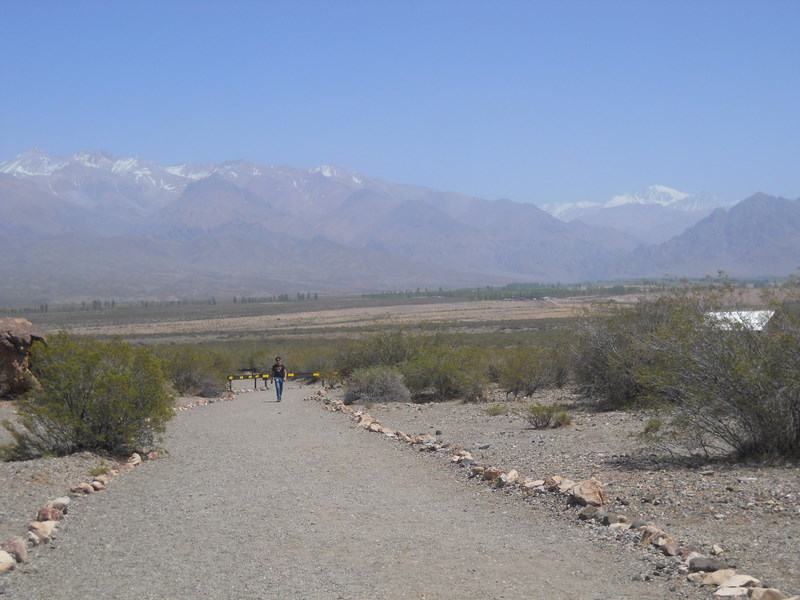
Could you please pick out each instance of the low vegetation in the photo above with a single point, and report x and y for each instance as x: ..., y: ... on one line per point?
x: 718, y: 388
x: 541, y: 416
x: 375, y: 384
x: 91, y: 395
x: 710, y: 390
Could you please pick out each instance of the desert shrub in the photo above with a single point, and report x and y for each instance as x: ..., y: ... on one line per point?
x: 559, y: 343
x: 447, y: 369
x: 387, y: 348
x: 526, y: 369
x: 729, y: 390
x: 541, y: 416
x: 375, y: 384
x: 496, y: 410
x: 310, y: 359
x: 92, y: 396
x: 652, y: 426
x: 194, y: 370
x: 562, y: 418
x: 611, y: 347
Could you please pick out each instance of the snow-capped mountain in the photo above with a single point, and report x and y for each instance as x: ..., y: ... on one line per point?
x: 653, y: 214
x: 93, y: 225
x: 652, y: 195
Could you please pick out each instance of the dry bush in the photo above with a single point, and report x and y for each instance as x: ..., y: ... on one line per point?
x: 375, y: 384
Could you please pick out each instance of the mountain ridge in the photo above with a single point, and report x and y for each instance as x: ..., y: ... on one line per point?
x: 336, y: 229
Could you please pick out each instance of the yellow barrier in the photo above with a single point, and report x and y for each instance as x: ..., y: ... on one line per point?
x: 265, y: 376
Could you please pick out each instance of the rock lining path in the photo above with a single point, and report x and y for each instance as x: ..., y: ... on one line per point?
x: 263, y: 500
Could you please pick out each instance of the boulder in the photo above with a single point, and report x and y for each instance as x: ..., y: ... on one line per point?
x: 61, y: 504
x: 589, y: 491
x: 740, y: 581
x: 7, y: 561
x: 717, y: 578
x: 491, y: 474
x: 16, y: 338
x: 49, y: 514
x: 43, y: 530
x: 82, y: 488
x: 16, y: 547
x: 729, y: 592
x: 652, y: 533
x: 529, y: 484
x: 509, y: 478
x: 564, y: 486
x: 551, y: 483
x: 592, y: 512
x: 703, y: 563
x: 671, y: 548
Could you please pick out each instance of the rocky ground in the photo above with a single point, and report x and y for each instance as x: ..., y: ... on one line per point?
x: 746, y: 514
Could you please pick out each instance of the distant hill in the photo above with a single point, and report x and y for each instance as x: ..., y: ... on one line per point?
x: 760, y: 235
x: 95, y: 226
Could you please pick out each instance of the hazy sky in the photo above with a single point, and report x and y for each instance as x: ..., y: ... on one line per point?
x: 536, y: 101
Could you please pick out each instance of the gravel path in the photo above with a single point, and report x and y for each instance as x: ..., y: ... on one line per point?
x: 752, y: 511
x: 265, y: 500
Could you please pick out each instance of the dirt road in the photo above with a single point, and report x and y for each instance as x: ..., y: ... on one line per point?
x: 259, y: 499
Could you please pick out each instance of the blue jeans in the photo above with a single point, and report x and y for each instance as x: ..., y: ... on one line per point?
x: 279, y: 387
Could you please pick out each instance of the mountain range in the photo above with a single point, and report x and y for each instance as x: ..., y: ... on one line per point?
x: 95, y: 226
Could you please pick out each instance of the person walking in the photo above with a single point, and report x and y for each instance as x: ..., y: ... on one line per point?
x: 279, y: 375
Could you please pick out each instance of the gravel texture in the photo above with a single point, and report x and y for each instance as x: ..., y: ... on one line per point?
x: 750, y: 511
x: 258, y: 499
x: 264, y: 500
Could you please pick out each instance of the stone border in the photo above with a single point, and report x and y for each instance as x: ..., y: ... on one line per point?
x: 40, y: 532
x: 711, y: 571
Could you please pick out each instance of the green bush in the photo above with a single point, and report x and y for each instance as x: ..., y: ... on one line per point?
x: 92, y: 396
x: 611, y: 348
x: 729, y: 390
x: 541, y: 416
x: 194, y: 370
x: 526, y: 369
x: 446, y: 370
x: 375, y: 384
x: 388, y: 348
x: 719, y: 390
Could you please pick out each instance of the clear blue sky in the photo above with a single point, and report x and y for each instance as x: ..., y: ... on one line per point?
x: 536, y: 101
